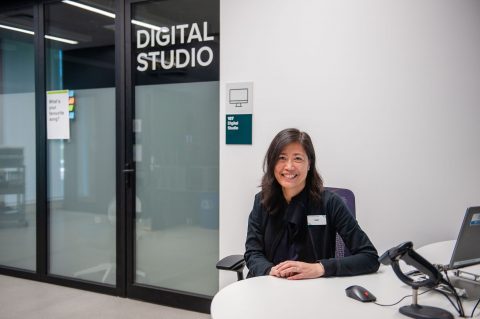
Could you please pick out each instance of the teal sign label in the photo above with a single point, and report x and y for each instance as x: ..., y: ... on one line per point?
x: 238, y: 110
x: 239, y: 129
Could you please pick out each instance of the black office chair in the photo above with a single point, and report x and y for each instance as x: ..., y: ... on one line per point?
x: 236, y: 263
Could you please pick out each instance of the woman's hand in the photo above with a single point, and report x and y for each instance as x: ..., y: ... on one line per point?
x: 274, y: 271
x: 294, y: 270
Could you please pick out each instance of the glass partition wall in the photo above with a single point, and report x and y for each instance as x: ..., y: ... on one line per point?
x: 176, y: 144
x: 17, y: 140
x: 80, y: 62
x: 109, y: 147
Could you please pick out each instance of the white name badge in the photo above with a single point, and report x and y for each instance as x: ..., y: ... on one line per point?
x: 316, y: 220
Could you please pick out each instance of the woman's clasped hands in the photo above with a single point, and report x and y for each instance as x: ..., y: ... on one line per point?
x: 294, y: 270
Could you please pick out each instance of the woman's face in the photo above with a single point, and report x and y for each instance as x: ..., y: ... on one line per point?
x: 291, y: 169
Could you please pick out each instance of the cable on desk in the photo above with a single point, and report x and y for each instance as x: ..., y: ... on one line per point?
x: 451, y: 301
x: 393, y: 304
x: 476, y: 305
x: 460, y: 310
x: 442, y: 292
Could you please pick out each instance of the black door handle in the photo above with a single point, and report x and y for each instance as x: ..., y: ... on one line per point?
x: 128, y: 174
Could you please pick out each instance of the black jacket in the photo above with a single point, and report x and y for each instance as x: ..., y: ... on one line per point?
x: 271, y: 237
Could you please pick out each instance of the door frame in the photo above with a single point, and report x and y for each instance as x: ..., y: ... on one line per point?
x: 164, y: 296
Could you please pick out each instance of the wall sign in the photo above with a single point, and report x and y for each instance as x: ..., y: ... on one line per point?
x: 156, y: 39
x: 239, y: 110
x: 58, y: 119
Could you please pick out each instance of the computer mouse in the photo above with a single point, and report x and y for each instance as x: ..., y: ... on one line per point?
x: 360, y: 293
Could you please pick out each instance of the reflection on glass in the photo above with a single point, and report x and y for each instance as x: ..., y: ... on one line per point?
x: 17, y: 142
x: 177, y: 186
x: 81, y: 170
x: 176, y: 147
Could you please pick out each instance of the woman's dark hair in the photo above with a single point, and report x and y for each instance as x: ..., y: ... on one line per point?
x: 272, y: 196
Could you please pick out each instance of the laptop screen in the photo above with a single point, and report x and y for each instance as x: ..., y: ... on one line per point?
x: 467, y: 248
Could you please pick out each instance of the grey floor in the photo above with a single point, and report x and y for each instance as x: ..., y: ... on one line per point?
x: 25, y: 299
x: 82, y: 245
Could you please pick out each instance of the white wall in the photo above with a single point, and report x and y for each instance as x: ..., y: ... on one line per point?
x: 389, y: 92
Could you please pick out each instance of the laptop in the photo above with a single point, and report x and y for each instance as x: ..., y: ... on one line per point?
x: 466, y: 253
x: 467, y: 247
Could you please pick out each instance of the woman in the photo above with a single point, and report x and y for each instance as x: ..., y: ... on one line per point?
x: 294, y: 221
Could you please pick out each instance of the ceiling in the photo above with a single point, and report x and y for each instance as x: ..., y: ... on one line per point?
x: 92, y: 29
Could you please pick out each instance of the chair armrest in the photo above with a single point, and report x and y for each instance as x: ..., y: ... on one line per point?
x: 233, y: 263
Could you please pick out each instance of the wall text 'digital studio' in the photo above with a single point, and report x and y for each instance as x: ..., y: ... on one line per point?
x: 182, y: 54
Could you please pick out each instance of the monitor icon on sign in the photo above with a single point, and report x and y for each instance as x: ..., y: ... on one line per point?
x: 238, y: 96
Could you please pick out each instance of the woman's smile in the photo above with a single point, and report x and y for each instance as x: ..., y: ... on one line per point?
x: 291, y: 169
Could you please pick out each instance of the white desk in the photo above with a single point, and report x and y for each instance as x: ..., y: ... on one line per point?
x: 270, y: 297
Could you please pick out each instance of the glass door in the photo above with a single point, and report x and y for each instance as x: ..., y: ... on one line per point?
x: 80, y: 75
x: 18, y: 196
x: 173, y: 98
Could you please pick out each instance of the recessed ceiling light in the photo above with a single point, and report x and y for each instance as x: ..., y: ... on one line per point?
x: 32, y: 33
